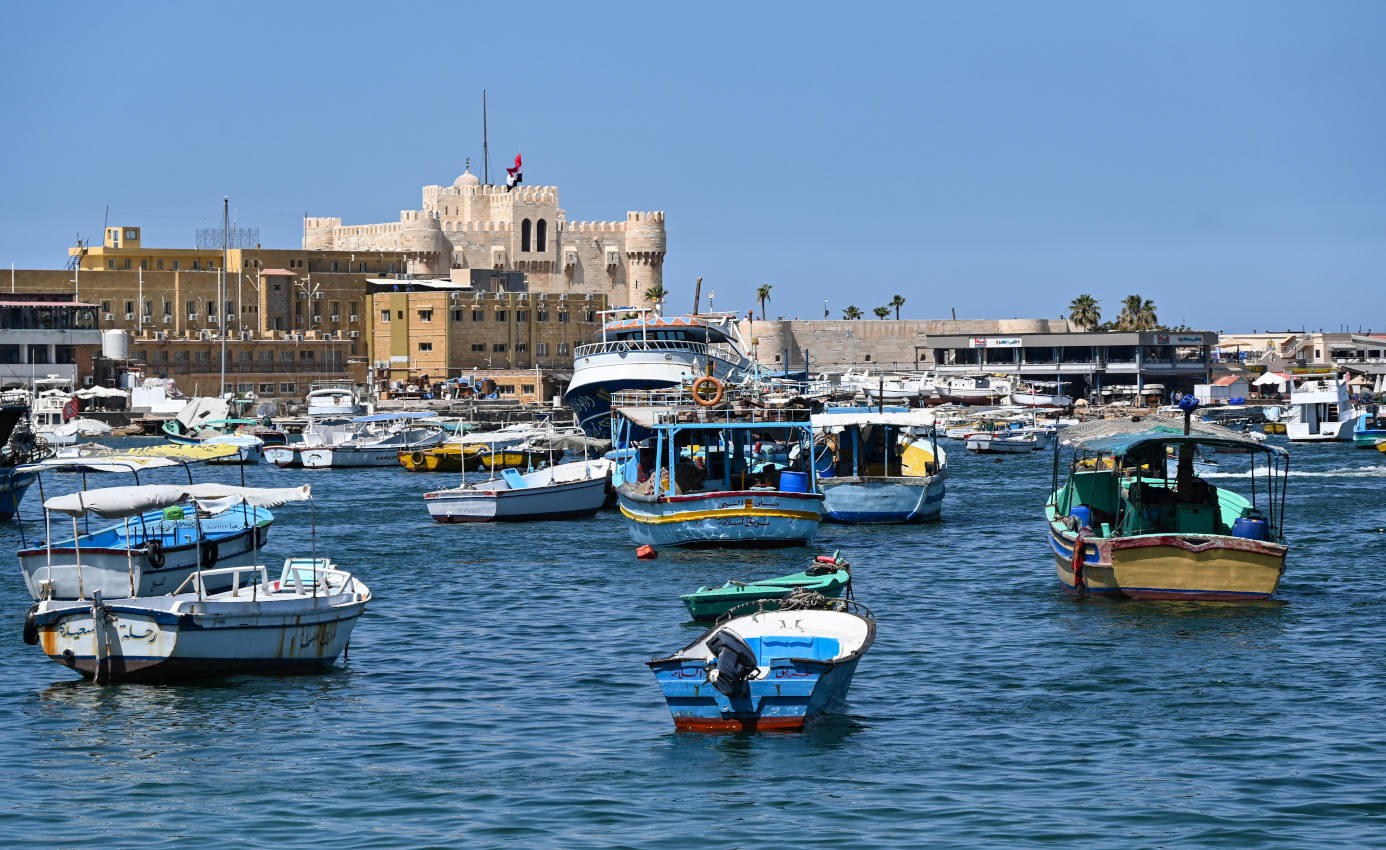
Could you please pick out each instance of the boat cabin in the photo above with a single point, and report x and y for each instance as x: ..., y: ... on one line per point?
x: 1121, y: 486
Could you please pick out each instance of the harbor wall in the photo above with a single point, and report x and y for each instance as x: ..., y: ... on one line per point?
x: 880, y: 343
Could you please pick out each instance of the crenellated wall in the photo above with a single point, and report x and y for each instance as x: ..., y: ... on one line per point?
x: 468, y: 225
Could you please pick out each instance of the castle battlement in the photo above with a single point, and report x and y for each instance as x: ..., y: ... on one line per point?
x: 656, y: 215
x: 594, y: 227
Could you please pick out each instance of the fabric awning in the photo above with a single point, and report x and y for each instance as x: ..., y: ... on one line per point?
x: 118, y: 502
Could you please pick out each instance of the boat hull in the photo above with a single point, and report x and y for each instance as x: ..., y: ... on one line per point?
x: 882, y: 500
x: 342, y: 457
x: 1209, y: 568
x: 559, y: 501
x: 1041, y: 401
x: 284, y: 457
x: 12, y: 489
x: 151, y: 643
x: 792, y: 694
x: 731, y: 518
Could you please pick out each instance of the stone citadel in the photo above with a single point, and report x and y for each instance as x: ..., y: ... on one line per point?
x: 469, y: 225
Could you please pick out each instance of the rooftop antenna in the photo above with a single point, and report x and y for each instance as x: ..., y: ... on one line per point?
x: 485, y: 152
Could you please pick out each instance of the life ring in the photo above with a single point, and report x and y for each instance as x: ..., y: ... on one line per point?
x: 154, y: 553
x: 708, y: 401
x: 621, y: 348
x: 209, y: 555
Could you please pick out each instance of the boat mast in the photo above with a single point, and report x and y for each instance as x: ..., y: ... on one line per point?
x: 221, y: 288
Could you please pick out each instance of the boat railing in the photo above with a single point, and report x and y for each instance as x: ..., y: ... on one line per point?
x: 307, y: 579
x: 621, y: 346
x: 738, y: 404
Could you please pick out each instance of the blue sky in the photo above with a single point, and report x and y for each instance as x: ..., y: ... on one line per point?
x: 1226, y: 160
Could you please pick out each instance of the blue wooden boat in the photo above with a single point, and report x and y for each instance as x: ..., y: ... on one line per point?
x: 767, y: 670
x: 696, y: 481
x: 1370, y: 428
x: 882, y: 466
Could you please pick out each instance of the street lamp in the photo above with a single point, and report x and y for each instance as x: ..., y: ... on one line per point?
x: 711, y: 294
x: 825, y: 308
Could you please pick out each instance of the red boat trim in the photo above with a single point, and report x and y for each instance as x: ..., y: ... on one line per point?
x: 742, y: 494
x: 1189, y: 544
x: 734, y: 724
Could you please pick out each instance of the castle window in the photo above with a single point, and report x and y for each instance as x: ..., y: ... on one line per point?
x: 541, y: 315
x: 160, y: 265
x: 498, y: 346
x: 334, y: 265
x: 478, y: 346
x: 175, y: 265
x: 500, y: 315
x: 457, y: 315
x: 425, y: 346
x: 541, y: 349
x: 524, y: 234
x: 478, y: 315
x: 425, y: 315
x: 522, y: 315
x: 384, y: 315
x: 110, y: 264
x: 541, y: 238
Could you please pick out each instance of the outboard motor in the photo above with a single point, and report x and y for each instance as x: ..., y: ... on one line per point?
x: 735, y: 661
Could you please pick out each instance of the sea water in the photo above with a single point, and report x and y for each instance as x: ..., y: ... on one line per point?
x: 496, y: 693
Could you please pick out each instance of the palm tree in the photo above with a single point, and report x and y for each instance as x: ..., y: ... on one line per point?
x: 852, y: 312
x: 881, y: 312
x: 1137, y: 313
x: 657, y: 294
x: 897, y: 302
x: 763, y: 294
x: 1085, y: 312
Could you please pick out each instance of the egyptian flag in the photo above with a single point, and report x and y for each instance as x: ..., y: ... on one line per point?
x: 512, y: 175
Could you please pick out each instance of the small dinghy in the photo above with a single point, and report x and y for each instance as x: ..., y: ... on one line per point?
x: 829, y: 576
x: 567, y: 490
x: 769, y: 669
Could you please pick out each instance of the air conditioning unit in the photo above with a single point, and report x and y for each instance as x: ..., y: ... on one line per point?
x: 168, y: 320
x: 111, y: 317
x: 317, y: 295
x: 247, y: 334
x: 192, y: 317
x: 336, y: 318
x: 211, y: 318
x: 230, y: 317
x: 205, y: 335
x: 355, y: 334
x: 302, y: 294
x: 129, y: 316
x: 354, y: 317
x: 160, y: 335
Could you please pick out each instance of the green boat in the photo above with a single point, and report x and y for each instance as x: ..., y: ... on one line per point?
x: 828, y: 576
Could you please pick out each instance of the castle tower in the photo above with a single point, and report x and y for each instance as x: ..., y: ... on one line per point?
x: 319, y: 233
x: 645, y: 246
x: 421, y: 236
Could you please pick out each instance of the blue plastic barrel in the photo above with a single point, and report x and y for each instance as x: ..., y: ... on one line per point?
x: 794, y: 482
x: 1251, y: 528
x: 1084, y: 515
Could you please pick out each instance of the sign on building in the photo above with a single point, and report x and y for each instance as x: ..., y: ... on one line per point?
x: 995, y: 342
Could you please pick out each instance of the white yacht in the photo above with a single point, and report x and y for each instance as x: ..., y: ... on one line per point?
x: 1321, y: 410
x: 650, y: 352
x: 976, y: 389
x: 1040, y: 394
x: 334, y: 398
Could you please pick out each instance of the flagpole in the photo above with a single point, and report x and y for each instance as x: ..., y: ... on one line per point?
x: 485, y: 151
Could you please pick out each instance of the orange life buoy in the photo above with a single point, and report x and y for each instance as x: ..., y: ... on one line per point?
x: 704, y: 400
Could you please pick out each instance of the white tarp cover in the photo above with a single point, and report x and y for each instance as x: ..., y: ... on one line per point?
x: 118, y: 502
x: 102, y: 392
x: 1275, y: 378
x: 82, y: 427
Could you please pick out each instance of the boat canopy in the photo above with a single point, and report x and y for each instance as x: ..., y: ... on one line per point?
x: 399, y: 414
x: 692, y: 328
x: 1126, y: 436
x: 118, y: 502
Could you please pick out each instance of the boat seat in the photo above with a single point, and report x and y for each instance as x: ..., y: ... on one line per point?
x: 790, y: 646
x: 513, y: 478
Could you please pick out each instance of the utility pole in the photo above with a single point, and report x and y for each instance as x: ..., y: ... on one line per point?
x: 697, y: 295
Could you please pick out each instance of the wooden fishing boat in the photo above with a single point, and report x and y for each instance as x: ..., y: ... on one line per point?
x: 879, y: 466
x: 554, y: 492
x: 1122, y: 524
x: 696, y: 480
x: 468, y: 457
x: 167, y: 532
x: 777, y: 669
x: 829, y: 576
x: 298, y: 624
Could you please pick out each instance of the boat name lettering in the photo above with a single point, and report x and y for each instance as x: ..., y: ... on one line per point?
x: 744, y: 521
x: 66, y: 631
x: 129, y: 634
